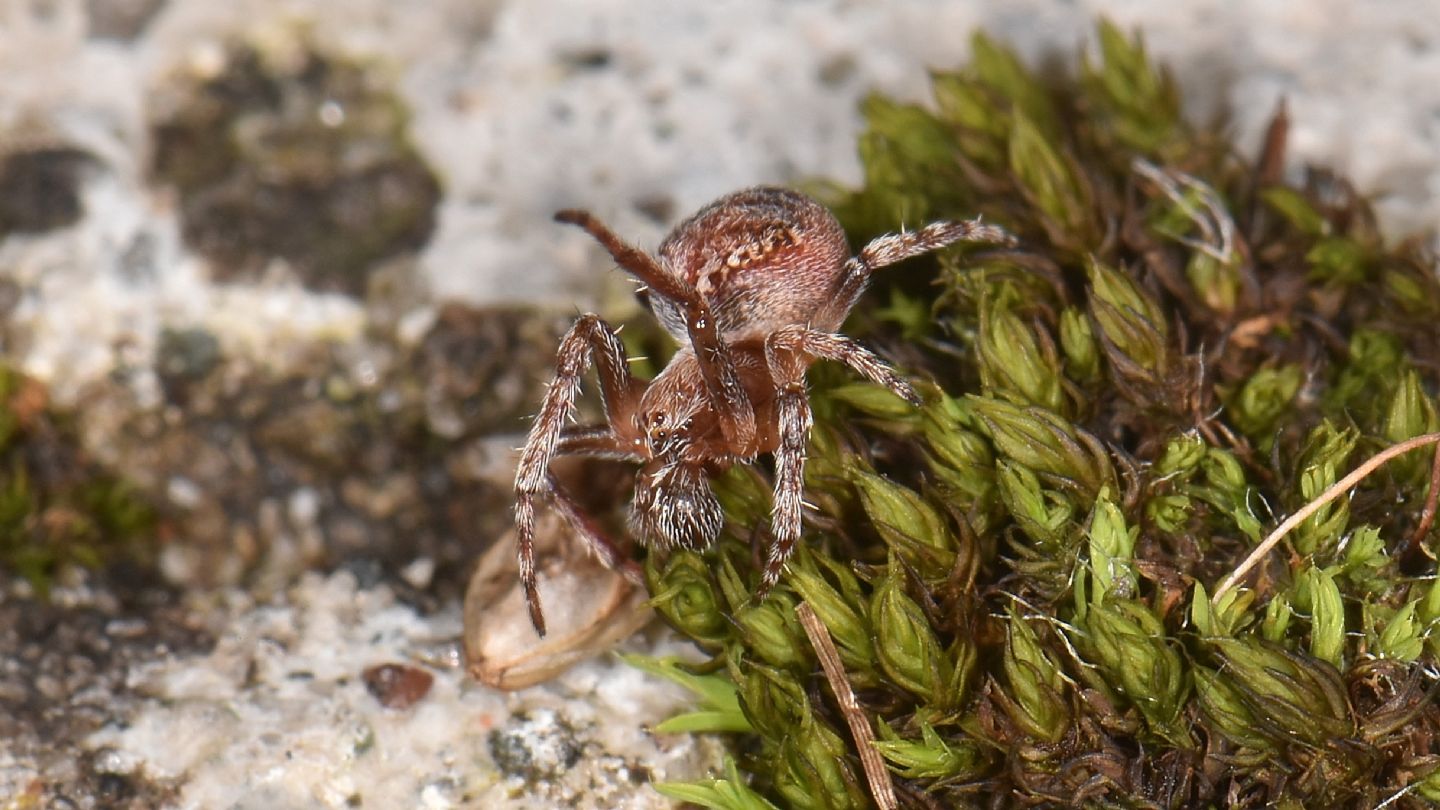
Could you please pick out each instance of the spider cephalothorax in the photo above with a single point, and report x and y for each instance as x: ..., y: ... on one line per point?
x: 753, y: 287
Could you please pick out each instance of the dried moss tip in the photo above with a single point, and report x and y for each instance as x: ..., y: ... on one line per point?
x: 1023, y: 576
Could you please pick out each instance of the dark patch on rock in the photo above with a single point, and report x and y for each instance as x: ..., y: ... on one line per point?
x: 483, y: 367
x: 303, y: 157
x: 373, y: 450
x: 184, y: 357
x: 658, y: 208
x: 535, y: 746
x: 584, y: 60
x: 10, y: 294
x: 64, y: 674
x: 122, y: 20
x: 40, y: 189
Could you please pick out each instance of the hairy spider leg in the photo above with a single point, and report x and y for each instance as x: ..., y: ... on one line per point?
x: 596, y: 539
x: 789, y: 353
x: 722, y: 381
x: 589, y: 339
x: 595, y: 441
x: 897, y: 247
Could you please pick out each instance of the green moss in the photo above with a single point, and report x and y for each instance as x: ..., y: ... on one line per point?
x: 57, y: 507
x: 1018, y: 574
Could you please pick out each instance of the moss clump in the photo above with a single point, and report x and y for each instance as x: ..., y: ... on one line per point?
x: 290, y: 152
x: 1018, y: 575
x: 57, y: 507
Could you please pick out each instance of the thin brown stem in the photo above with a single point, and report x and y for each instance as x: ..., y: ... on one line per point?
x: 882, y: 789
x: 1336, y: 490
x: 1427, y: 515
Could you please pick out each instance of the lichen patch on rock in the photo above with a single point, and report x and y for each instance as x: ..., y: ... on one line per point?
x: 288, y: 153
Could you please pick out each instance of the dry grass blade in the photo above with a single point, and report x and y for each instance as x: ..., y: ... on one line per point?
x: 1336, y: 490
x: 881, y: 788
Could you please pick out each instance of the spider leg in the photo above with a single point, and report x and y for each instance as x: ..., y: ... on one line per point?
x: 633, y: 260
x: 595, y: 441
x: 717, y: 367
x: 897, y: 247
x: 785, y: 356
x: 819, y: 345
x: 589, y: 339
x: 792, y: 408
x: 596, y: 540
x: 789, y: 353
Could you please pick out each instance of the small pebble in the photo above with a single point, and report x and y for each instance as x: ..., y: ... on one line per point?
x: 397, y: 686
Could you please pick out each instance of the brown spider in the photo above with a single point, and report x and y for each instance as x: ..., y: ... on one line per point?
x: 754, y: 287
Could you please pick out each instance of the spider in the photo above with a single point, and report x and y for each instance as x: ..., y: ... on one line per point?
x: 753, y: 287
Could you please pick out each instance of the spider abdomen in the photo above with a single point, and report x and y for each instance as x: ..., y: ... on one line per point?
x: 761, y: 258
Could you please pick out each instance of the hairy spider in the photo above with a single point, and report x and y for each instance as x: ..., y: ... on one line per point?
x: 753, y: 287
